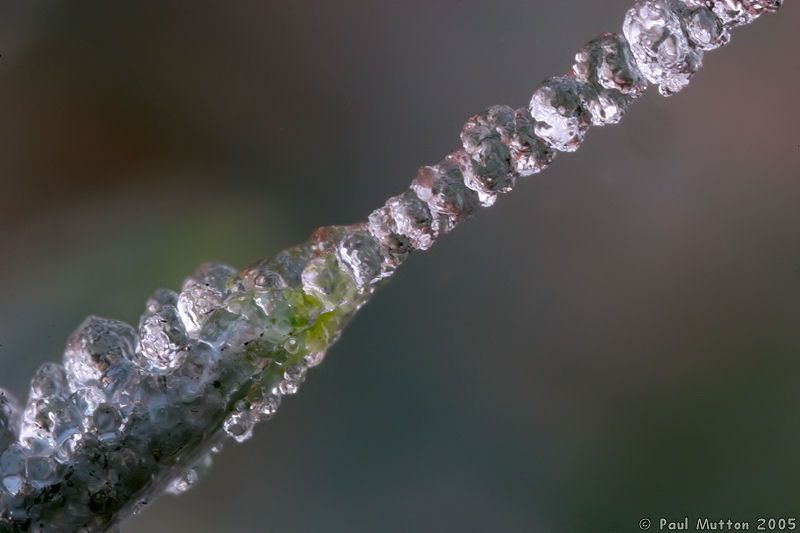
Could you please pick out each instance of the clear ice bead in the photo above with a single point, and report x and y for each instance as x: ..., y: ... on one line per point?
x: 759, y: 7
x: 239, y: 425
x: 41, y: 471
x: 405, y: 224
x: 203, y: 292
x: 9, y: 419
x: 324, y: 279
x: 159, y: 299
x: 162, y: 340
x: 260, y: 276
x: 492, y: 172
x: 313, y: 359
x: 191, y: 477
x: 361, y: 253
x: 51, y: 422
x: 529, y: 154
x: 739, y: 12
x: 704, y: 29
x: 280, y: 271
x: 266, y: 407
x: 107, y: 422
x: 12, y: 468
x: 660, y: 46
x: 561, y: 119
x: 293, y: 377
x: 50, y: 380
x: 606, y: 63
x: 444, y: 189
x: 96, y: 346
x: 87, y: 399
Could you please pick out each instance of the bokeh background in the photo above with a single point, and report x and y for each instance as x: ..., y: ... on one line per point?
x: 618, y: 339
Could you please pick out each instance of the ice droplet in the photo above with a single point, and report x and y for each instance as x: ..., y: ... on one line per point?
x: 239, y: 425
x: 561, y: 118
x: 405, y: 224
x: 202, y: 293
x: 443, y: 188
x: 660, y: 46
x: 97, y: 345
x: 606, y: 63
x: 163, y: 341
x: 191, y: 477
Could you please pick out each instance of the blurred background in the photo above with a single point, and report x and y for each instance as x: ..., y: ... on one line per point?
x: 617, y: 339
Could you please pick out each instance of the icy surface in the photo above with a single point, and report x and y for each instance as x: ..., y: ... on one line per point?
x: 137, y: 411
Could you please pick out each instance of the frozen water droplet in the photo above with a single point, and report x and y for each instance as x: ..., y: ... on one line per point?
x: 405, y: 224
x: 239, y: 425
x: 191, y: 477
x: 356, y: 251
x: 291, y: 345
x: 443, y: 188
x: 97, y: 345
x: 12, y: 468
x: 260, y: 276
x: 314, y: 358
x: 183, y: 483
x: 162, y: 340
x: 527, y: 154
x: 561, y: 119
x: 41, y: 472
x: 492, y: 171
x: 607, y: 64
x: 293, y: 377
x: 281, y: 271
x: 203, y: 292
x: 703, y: 28
x: 660, y: 46
x: 107, y: 422
x: 50, y: 380
x: 159, y: 299
x: 267, y: 406
x: 361, y: 253
x: 324, y: 279
x: 737, y: 12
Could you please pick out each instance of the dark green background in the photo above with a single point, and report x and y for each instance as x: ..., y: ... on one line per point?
x: 617, y: 339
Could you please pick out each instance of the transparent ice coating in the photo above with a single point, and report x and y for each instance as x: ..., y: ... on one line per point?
x: 561, y: 117
x: 134, y: 412
x: 660, y: 45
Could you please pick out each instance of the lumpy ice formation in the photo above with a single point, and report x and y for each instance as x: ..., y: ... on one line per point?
x: 132, y: 412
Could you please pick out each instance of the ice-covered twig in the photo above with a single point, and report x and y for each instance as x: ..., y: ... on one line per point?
x: 137, y: 411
